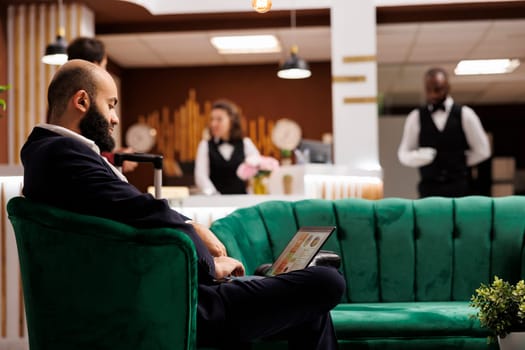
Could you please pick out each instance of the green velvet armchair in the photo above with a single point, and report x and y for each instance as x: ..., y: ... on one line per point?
x: 91, y: 283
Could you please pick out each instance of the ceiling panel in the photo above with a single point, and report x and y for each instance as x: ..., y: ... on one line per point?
x: 313, y: 42
x: 404, y: 52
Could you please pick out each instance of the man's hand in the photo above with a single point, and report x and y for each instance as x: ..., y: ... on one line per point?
x: 211, y: 241
x: 226, y: 266
x: 422, y: 156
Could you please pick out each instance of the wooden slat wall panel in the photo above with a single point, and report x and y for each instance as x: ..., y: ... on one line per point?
x: 30, y: 28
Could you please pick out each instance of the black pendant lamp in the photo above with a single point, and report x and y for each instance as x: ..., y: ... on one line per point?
x: 294, y: 67
x: 56, y: 52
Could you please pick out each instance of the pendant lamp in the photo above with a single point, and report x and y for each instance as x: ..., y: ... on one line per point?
x: 294, y: 67
x: 56, y: 52
x: 262, y: 6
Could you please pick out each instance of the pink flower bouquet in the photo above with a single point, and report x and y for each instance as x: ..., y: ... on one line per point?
x: 256, y: 165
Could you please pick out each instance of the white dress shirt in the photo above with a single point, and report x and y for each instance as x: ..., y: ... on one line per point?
x: 90, y: 143
x: 410, y: 154
x: 202, y: 162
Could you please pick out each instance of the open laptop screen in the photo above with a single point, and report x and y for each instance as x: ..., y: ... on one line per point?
x: 301, y: 250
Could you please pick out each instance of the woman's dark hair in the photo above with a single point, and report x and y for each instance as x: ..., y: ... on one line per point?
x: 232, y: 111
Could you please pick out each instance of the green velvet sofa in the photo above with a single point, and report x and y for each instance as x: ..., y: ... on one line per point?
x: 411, y: 266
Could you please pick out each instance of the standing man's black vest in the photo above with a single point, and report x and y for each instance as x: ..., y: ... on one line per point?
x: 223, y: 172
x: 450, y: 163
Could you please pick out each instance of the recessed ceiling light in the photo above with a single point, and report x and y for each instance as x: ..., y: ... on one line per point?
x: 478, y: 67
x: 243, y: 44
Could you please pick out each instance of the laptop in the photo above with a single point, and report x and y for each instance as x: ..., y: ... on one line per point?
x: 298, y: 254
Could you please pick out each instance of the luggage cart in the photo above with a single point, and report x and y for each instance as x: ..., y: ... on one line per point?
x: 156, y: 159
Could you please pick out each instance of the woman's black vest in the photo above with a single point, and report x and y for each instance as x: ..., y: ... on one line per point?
x: 223, y: 172
x: 450, y: 163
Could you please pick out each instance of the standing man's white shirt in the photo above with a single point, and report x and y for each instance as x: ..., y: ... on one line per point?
x: 202, y: 162
x: 410, y: 154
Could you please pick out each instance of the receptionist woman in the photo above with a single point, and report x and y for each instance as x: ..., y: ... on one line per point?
x: 219, y: 157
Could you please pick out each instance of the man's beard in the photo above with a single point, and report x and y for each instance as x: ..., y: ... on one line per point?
x: 95, y: 127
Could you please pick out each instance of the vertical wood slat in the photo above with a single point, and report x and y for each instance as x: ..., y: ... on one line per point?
x: 48, y: 35
x: 67, y: 23
x: 57, y: 20
x: 176, y: 126
x: 79, y: 20
x: 260, y: 132
x: 16, y: 86
x: 28, y: 101
x: 38, y: 66
x: 3, y: 261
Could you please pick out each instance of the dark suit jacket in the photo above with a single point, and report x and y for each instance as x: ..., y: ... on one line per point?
x: 65, y: 173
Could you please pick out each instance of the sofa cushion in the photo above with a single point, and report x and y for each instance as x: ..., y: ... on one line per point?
x: 414, y: 319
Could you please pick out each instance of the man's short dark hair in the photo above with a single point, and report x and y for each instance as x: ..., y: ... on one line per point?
x: 435, y: 71
x: 89, y: 49
x: 65, y: 84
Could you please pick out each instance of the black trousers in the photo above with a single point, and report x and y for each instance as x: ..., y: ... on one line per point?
x: 293, y: 306
x: 449, y: 188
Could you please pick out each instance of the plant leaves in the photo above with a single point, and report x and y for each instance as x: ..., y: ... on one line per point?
x: 501, y: 306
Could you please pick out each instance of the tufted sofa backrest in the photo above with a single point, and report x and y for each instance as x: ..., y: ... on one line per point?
x: 394, y: 250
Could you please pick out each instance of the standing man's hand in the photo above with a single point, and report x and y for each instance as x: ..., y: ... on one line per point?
x: 426, y: 154
x: 211, y: 241
x: 226, y: 266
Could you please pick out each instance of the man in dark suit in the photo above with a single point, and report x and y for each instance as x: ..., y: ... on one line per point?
x: 442, y: 139
x: 63, y: 168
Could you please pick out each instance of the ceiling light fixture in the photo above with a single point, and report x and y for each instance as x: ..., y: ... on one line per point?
x: 244, y: 44
x: 492, y: 66
x: 262, y: 6
x: 56, y: 52
x: 294, y: 67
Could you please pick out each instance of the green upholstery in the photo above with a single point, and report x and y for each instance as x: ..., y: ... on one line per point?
x: 91, y: 283
x: 410, y: 265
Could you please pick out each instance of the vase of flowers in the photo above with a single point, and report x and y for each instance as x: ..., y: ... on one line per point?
x: 257, y: 168
x: 501, y: 309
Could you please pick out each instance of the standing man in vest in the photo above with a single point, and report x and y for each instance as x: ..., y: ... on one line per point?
x: 443, y: 140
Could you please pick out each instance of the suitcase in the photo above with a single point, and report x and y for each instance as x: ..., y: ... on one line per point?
x: 156, y: 159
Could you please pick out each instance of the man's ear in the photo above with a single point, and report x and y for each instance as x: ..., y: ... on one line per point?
x: 81, y: 101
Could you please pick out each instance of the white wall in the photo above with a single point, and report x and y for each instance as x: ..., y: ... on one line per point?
x: 398, y: 180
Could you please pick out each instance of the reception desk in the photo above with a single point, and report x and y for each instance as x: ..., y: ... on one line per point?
x: 326, y: 181
x: 290, y: 183
x: 206, y: 209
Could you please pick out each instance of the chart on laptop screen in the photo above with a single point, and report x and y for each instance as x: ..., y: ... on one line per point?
x: 301, y: 249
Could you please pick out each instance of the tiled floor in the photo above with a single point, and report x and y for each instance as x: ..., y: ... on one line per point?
x: 21, y: 344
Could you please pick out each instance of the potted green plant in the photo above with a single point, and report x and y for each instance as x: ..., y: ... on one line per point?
x: 501, y: 309
x: 3, y: 104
